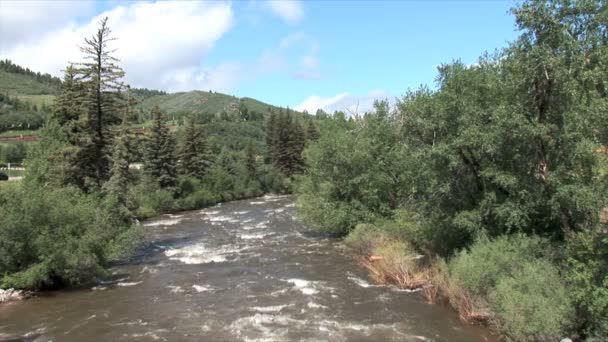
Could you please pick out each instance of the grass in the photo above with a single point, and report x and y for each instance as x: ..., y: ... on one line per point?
x: 18, y: 132
x: 18, y: 84
x: 38, y: 100
x: 203, y: 101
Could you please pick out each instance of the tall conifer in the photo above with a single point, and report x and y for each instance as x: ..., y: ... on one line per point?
x: 194, y: 156
x: 159, y: 163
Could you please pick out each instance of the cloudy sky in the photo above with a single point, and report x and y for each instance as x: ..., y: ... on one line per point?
x: 303, y: 54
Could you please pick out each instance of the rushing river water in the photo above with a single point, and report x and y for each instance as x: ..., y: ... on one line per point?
x: 241, y: 271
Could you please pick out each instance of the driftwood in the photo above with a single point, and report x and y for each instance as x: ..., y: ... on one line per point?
x: 375, y: 257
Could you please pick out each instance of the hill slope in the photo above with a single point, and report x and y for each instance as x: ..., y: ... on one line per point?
x: 197, y: 101
x: 35, y: 89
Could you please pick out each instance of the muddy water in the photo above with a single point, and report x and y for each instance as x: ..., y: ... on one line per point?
x: 241, y: 271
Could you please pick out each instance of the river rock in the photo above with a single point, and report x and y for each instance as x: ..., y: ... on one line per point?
x: 11, y: 294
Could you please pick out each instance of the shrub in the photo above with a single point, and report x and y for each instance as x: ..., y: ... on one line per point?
x: 400, y: 265
x: 511, y: 283
x: 364, y: 239
x: 202, y: 197
x: 587, y: 275
x: 155, y: 202
x: 479, y: 268
x: 532, y: 303
x: 53, y: 237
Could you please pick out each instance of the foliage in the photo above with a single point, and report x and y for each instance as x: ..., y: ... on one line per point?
x: 159, y: 162
x: 194, y: 155
x: 12, y: 153
x: 512, y: 282
x: 19, y: 114
x: 355, y: 173
x: 365, y: 238
x: 101, y: 81
x: 532, y: 304
x: 286, y: 140
x: 55, y: 237
x: 587, y: 273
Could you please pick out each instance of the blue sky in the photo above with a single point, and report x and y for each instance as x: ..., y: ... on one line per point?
x: 303, y: 54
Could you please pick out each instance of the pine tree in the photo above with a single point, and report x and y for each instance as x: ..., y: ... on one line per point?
x: 272, y: 130
x: 194, y: 155
x: 288, y: 144
x: 120, y: 174
x: 102, y: 80
x: 69, y: 105
x: 251, y: 160
x: 159, y: 163
x: 296, y: 143
x: 130, y: 114
x: 312, y: 132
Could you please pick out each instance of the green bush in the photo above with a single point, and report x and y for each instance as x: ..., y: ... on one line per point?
x: 365, y: 238
x: 514, y: 279
x: 587, y: 275
x: 203, y: 197
x: 155, y: 202
x: 55, y: 237
x: 479, y: 268
x: 532, y: 304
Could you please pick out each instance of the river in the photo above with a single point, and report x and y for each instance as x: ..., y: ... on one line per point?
x: 239, y: 271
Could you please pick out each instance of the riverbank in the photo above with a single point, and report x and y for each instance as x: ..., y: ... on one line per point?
x: 240, y: 271
x: 10, y: 295
x: 505, y: 284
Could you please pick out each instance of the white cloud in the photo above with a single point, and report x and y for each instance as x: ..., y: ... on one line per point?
x: 314, y: 102
x: 291, y: 11
x: 344, y: 102
x: 160, y: 44
x: 23, y: 20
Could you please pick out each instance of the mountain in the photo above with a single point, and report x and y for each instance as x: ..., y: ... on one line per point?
x: 36, y: 88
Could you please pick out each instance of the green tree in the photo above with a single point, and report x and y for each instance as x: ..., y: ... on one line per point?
x: 159, y: 159
x: 120, y: 174
x: 194, y: 155
x: 101, y: 77
x: 272, y: 136
x: 312, y: 132
x: 69, y: 105
x: 251, y: 160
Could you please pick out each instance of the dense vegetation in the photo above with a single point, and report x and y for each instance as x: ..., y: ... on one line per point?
x: 19, y: 114
x: 77, y: 208
x: 496, y: 176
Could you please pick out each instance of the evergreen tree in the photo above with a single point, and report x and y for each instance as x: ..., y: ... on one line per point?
x: 193, y: 153
x: 101, y: 77
x: 120, y: 174
x: 296, y: 144
x: 272, y: 136
x: 251, y: 160
x: 130, y: 113
x: 69, y: 105
x: 159, y: 162
x: 312, y: 132
x: 288, y: 145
